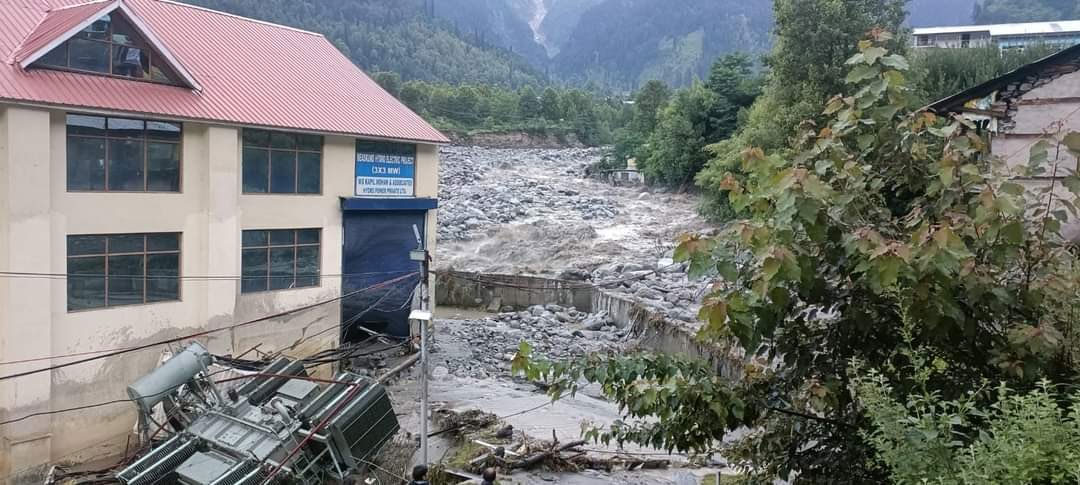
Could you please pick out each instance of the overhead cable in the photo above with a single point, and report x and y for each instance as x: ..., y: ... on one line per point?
x: 205, y: 332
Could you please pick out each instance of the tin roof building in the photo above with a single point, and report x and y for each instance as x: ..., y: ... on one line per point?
x: 173, y: 172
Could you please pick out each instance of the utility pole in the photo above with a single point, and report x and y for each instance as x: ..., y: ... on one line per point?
x: 423, y: 318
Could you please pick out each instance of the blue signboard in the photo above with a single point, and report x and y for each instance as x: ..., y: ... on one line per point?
x: 385, y: 169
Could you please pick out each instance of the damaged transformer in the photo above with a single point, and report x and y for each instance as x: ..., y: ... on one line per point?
x: 279, y: 424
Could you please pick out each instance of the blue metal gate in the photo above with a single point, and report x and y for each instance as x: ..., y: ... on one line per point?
x: 375, y: 249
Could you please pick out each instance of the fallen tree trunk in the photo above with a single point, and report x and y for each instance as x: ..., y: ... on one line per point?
x: 539, y: 457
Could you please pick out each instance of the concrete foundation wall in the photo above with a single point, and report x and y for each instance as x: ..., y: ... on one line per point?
x: 654, y: 330
x: 478, y: 290
x: 37, y: 213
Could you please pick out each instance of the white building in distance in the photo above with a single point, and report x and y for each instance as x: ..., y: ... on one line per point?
x: 1005, y: 36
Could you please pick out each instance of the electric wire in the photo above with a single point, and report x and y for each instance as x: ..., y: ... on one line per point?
x: 292, y: 346
x: 228, y: 360
x: 61, y: 276
x: 388, y: 472
x: 352, y: 321
x: 205, y: 332
x: 569, y: 284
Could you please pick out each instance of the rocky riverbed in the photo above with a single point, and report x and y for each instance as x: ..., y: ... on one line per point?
x: 533, y: 212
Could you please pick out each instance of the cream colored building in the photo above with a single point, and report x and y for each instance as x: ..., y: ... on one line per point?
x: 160, y: 181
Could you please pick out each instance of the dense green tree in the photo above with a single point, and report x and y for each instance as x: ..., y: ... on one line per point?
x: 550, y: 107
x: 415, y: 95
x: 528, y: 104
x: 465, y: 109
x: 813, y: 38
x: 647, y: 105
x: 390, y: 81
x: 675, y: 151
x: 731, y: 77
x: 944, y: 72
x: 465, y: 105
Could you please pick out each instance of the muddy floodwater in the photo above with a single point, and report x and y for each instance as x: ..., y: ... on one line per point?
x: 533, y: 212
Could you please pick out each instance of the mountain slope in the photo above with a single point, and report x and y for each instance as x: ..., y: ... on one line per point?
x: 1007, y: 11
x: 623, y: 43
x: 936, y: 13
x: 501, y: 23
x: 397, y: 35
x: 560, y: 19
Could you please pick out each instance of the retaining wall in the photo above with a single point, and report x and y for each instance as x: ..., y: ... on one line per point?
x: 494, y: 291
x: 652, y: 328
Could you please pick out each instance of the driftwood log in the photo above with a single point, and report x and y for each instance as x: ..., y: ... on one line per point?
x: 535, y: 459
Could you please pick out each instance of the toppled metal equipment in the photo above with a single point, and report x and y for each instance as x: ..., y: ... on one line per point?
x: 277, y: 420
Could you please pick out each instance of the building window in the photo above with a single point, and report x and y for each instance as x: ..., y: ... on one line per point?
x: 122, y: 155
x: 282, y: 163
x: 122, y: 269
x: 111, y: 46
x: 280, y: 259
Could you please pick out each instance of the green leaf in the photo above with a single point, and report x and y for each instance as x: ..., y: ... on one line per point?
x: 1038, y: 155
x: 946, y: 175
x: 1013, y: 188
x: 727, y: 270
x: 770, y: 268
x: 872, y: 54
x: 861, y: 73
x: 1072, y: 141
x: 737, y: 408
x: 888, y: 268
x: 520, y: 363
x: 716, y: 314
x: 1072, y: 183
x: 896, y: 61
x: 1013, y: 233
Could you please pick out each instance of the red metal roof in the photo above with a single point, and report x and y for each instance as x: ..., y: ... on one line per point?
x: 250, y: 73
x: 56, y: 23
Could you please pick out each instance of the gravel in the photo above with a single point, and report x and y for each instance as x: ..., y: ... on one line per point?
x: 532, y: 212
x: 483, y: 348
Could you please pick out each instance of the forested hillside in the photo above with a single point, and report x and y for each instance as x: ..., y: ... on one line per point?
x: 1006, y: 11
x: 935, y: 13
x: 623, y: 43
x: 501, y: 23
x: 616, y: 44
x: 399, y: 36
x: 560, y: 19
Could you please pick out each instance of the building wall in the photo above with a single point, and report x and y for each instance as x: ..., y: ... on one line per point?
x: 951, y: 41
x: 1050, y: 107
x: 36, y: 215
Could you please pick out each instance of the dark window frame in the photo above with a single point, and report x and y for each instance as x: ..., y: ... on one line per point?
x: 145, y: 254
x: 268, y: 246
x: 145, y: 139
x: 152, y: 54
x: 268, y: 149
